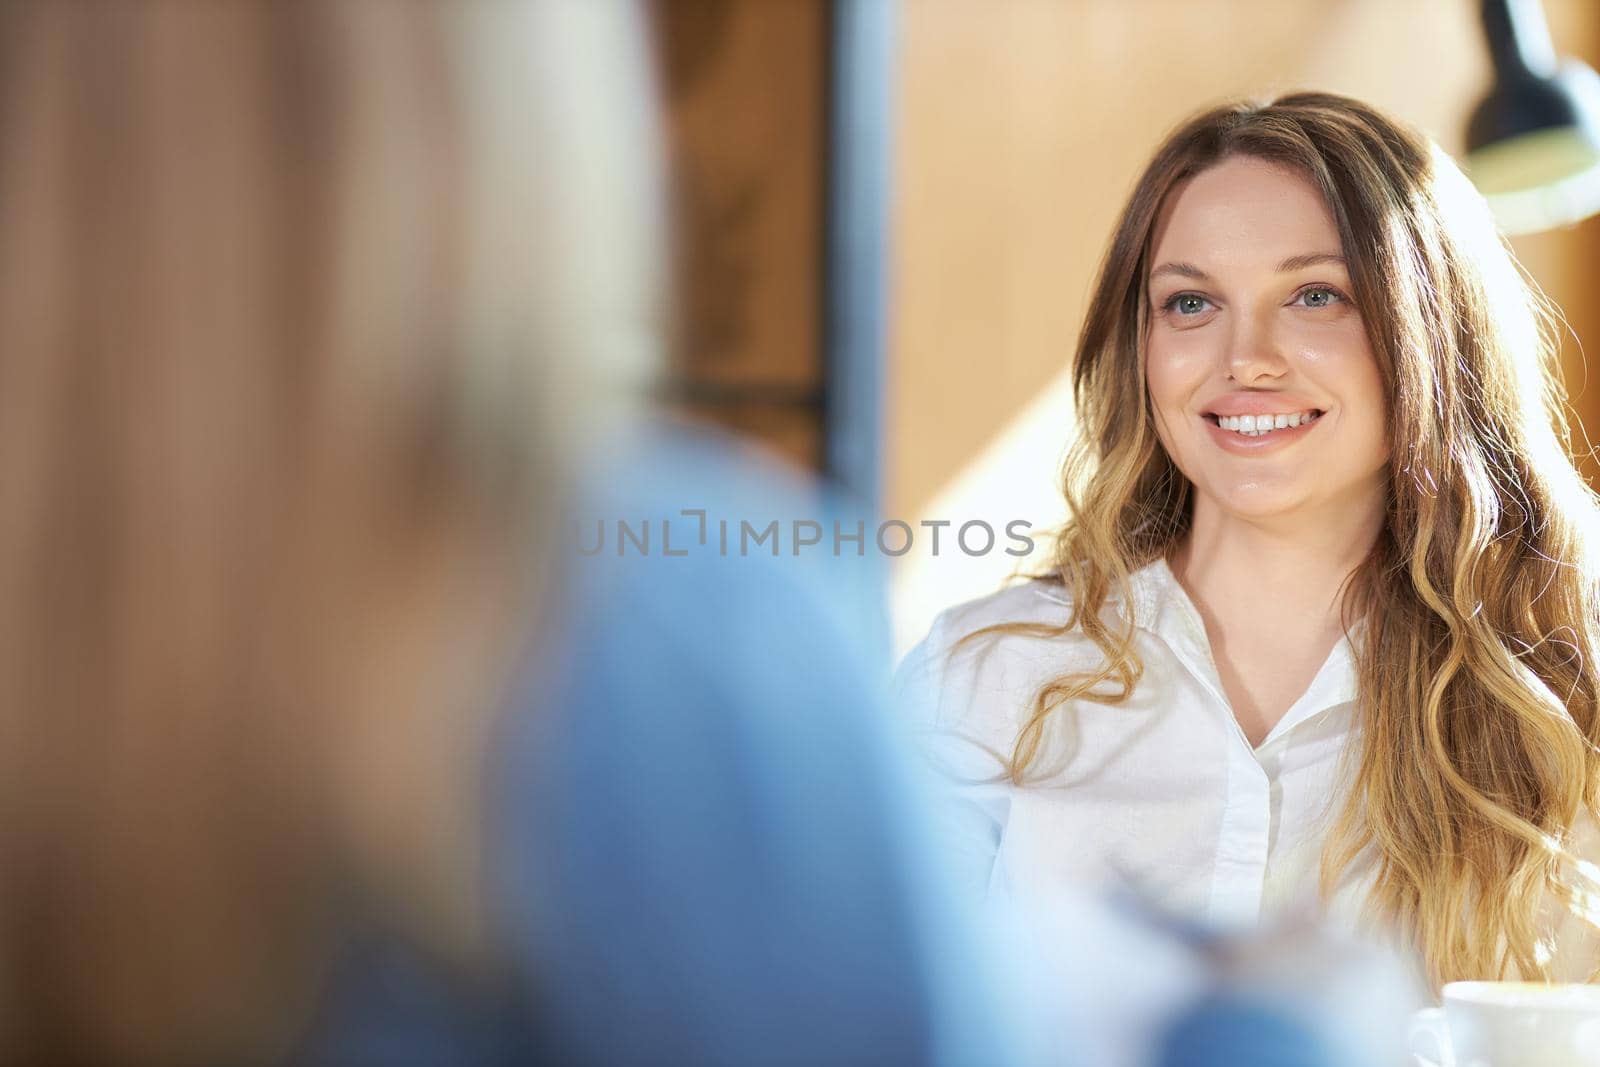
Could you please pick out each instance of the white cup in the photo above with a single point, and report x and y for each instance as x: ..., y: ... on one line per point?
x: 1510, y: 1024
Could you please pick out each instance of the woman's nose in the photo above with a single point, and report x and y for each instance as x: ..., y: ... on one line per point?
x: 1254, y: 353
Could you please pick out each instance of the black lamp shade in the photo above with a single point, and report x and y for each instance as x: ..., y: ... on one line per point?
x: 1533, y: 144
x: 1528, y: 103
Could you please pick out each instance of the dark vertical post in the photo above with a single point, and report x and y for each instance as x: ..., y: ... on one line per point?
x: 860, y: 84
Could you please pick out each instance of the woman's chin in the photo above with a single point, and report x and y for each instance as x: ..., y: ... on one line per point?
x: 1262, y: 503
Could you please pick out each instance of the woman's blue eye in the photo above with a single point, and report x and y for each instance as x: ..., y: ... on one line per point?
x: 1188, y: 304
x: 1319, y: 296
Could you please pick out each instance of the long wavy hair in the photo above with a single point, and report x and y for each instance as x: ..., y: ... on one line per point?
x: 1478, y: 662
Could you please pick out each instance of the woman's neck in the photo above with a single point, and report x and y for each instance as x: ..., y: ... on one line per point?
x: 1292, y: 568
x: 1269, y: 596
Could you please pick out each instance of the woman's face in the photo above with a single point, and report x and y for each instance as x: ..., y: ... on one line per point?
x: 1265, y: 390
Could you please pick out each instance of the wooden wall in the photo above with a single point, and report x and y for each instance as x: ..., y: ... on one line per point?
x: 745, y: 82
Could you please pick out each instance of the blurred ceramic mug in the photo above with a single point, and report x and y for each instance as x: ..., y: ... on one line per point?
x: 1510, y: 1024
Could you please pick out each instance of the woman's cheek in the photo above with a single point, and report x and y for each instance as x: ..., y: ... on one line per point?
x: 1342, y: 345
x: 1177, y: 372
x: 1168, y: 377
x: 1158, y: 385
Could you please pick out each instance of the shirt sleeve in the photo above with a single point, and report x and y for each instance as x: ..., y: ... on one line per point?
x: 934, y: 690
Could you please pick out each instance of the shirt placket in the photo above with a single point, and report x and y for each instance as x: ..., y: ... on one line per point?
x: 1241, y: 869
x: 1244, y: 836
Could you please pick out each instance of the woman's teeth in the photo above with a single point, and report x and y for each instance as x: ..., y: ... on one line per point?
x: 1256, y: 425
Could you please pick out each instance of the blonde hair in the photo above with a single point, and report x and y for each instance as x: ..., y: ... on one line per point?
x: 1478, y: 711
x: 307, y: 311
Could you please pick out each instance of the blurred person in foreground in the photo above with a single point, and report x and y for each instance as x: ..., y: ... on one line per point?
x: 317, y: 743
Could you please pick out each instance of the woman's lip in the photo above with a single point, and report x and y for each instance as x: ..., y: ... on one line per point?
x: 1236, y: 410
x: 1239, y: 444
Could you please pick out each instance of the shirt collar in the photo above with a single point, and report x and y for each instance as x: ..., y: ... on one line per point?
x: 1159, y: 603
x: 1150, y: 590
x: 1162, y: 607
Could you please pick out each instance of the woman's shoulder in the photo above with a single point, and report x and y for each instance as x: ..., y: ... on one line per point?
x: 992, y: 653
x: 1034, y: 602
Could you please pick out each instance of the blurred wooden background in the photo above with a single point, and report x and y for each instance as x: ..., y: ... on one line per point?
x: 746, y: 87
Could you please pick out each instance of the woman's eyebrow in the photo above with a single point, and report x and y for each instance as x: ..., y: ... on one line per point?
x: 1293, y: 263
x: 1187, y: 270
x: 1314, y: 259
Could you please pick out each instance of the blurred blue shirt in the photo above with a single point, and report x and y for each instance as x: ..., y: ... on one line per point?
x: 709, y: 847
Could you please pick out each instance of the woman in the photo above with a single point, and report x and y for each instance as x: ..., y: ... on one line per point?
x: 309, y: 312
x: 1323, y: 627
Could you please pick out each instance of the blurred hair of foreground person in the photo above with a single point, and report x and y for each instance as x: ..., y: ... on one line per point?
x: 311, y: 315
x: 1323, y: 629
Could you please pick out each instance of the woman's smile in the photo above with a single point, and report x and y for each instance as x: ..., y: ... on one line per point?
x: 1255, y: 435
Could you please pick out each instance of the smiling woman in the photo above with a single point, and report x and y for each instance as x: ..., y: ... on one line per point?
x: 1322, y: 628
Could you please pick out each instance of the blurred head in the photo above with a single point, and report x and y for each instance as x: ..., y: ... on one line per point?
x: 307, y: 312
x: 1313, y: 257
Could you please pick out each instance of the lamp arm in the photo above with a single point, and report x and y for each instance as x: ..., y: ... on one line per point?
x: 1519, y: 39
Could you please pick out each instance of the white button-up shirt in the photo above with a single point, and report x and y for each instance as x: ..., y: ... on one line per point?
x: 1161, y: 793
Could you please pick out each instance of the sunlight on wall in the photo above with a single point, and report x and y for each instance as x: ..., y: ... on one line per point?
x: 1014, y: 477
